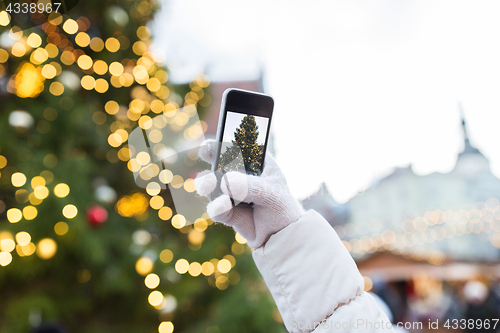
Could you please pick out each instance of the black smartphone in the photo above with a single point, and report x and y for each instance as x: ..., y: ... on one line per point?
x: 242, y: 134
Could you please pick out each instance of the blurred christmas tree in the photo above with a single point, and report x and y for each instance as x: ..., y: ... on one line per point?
x: 80, y: 242
x: 244, y: 153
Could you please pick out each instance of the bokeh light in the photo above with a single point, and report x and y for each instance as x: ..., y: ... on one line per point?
x: 70, y: 211
x: 144, y: 266
x: 166, y: 256
x: 61, y: 190
x: 14, y: 215
x: 182, y: 266
x: 46, y: 248
x: 166, y: 327
x: 18, y: 179
x: 152, y: 281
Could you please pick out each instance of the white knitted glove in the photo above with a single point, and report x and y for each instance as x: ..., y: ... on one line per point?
x: 273, y: 209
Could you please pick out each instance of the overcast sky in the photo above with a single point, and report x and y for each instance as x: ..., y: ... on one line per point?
x: 360, y: 87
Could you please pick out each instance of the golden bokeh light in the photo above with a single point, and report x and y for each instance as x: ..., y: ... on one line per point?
x: 156, y: 202
x: 222, y: 282
x: 126, y: 79
x: 5, y: 258
x: 7, y: 245
x: 124, y: 154
x: 207, y: 268
x: 133, y: 165
x: 166, y: 327
x: 182, y: 266
x: 49, y: 71
x: 155, y: 298
x: 139, y: 48
x: 157, y: 106
x: 166, y: 256
x: 112, y: 107
x: 18, y: 50
x: 23, y: 238
x: 237, y: 248
x: 61, y: 228
x: 101, y: 85
x: 135, y: 204
x: 152, y: 281
x: 69, y: 211
x: 96, y: 44
x: 38, y: 181
x: 115, y: 68
x: 52, y: 50
x: 29, y: 213
x: 14, y: 215
x: 61, y: 190
x: 6, y: 235
x: 165, y: 213
x: 100, y: 67
x: 4, y: 56
x: 115, y: 140
x: 194, y: 269
x: 26, y: 250
x: 144, y: 266
x: 87, y: 82
x: 112, y: 44
x: 153, y: 188
x: 177, y: 181
x: 29, y: 81
x: 56, y: 88
x: 224, y: 266
x: 84, y: 62
x: 18, y: 179
x: 143, y: 33
x: 46, y: 248
x: 178, y: 221
x: 4, y: 18
x: 200, y: 225
x: 70, y: 26
x: 3, y: 162
x: 34, y: 40
x: 189, y: 185
x: 39, y: 56
x: 140, y: 74
x: 196, y: 237
x: 68, y: 58
x: 41, y: 192
x: 82, y: 39
x: 153, y: 84
x: 143, y: 158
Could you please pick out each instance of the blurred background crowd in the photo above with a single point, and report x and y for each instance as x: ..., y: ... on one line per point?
x: 411, y: 188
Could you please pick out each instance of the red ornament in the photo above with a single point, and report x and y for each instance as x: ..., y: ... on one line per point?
x: 97, y: 215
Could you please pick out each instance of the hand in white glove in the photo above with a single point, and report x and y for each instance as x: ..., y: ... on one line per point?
x: 273, y: 209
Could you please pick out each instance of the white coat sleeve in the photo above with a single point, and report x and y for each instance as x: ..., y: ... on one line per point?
x: 315, y: 282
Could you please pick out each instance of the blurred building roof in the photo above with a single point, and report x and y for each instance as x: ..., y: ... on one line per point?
x: 323, y: 202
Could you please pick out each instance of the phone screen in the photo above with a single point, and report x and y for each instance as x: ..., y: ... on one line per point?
x: 243, y: 143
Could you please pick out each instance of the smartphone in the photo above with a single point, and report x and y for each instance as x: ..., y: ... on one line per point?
x: 242, y: 134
